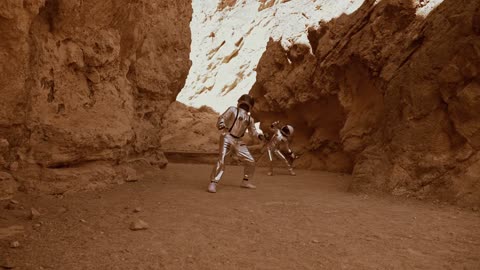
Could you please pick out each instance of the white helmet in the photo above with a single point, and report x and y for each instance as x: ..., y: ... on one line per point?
x: 287, y: 130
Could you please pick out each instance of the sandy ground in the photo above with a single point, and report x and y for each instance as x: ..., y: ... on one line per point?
x: 303, y: 222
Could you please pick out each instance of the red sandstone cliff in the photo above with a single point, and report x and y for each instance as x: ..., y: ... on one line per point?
x: 388, y: 95
x: 84, y: 85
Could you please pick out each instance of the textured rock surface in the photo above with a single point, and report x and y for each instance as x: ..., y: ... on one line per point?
x: 230, y: 36
x: 8, y: 185
x: 391, y: 93
x: 84, y: 86
x: 186, y: 128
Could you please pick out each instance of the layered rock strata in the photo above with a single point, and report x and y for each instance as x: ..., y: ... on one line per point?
x: 84, y: 86
x: 390, y: 93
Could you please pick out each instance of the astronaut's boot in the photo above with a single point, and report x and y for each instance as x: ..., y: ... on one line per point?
x: 246, y: 184
x: 212, y: 187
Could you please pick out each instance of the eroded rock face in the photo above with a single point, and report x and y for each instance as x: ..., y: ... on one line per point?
x: 230, y: 36
x: 189, y: 129
x: 85, y: 84
x: 388, y: 94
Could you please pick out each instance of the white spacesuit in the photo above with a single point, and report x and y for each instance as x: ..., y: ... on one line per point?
x: 279, y: 137
x: 234, y: 122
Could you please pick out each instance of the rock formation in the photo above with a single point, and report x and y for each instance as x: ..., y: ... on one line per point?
x: 230, y: 36
x: 84, y: 86
x: 189, y: 129
x: 390, y: 93
x: 387, y: 90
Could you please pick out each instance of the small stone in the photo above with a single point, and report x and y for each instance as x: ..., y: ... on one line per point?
x: 14, y: 201
x: 83, y: 221
x: 315, y: 241
x: 129, y: 174
x: 62, y: 210
x: 37, y: 225
x: 138, y: 225
x: 137, y: 210
x: 475, y: 209
x: 15, y: 244
x: 34, y: 214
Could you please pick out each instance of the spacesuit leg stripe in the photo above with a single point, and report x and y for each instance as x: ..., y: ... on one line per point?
x: 225, y: 148
x: 282, y: 157
x: 270, y: 158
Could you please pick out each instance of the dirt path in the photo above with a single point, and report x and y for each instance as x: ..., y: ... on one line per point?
x: 303, y: 222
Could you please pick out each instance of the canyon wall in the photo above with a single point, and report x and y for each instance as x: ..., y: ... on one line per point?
x: 230, y: 36
x: 84, y: 86
x: 390, y: 93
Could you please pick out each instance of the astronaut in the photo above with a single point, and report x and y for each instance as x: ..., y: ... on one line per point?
x: 280, y: 137
x: 234, y: 122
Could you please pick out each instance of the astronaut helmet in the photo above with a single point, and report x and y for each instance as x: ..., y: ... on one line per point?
x: 287, y: 130
x: 246, y: 102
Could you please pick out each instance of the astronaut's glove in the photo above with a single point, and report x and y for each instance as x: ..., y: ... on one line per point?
x: 221, y: 126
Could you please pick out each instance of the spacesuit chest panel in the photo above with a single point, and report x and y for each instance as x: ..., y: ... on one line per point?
x: 277, y: 139
x: 240, y: 124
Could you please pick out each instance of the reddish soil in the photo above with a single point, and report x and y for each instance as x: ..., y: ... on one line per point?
x: 305, y: 222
